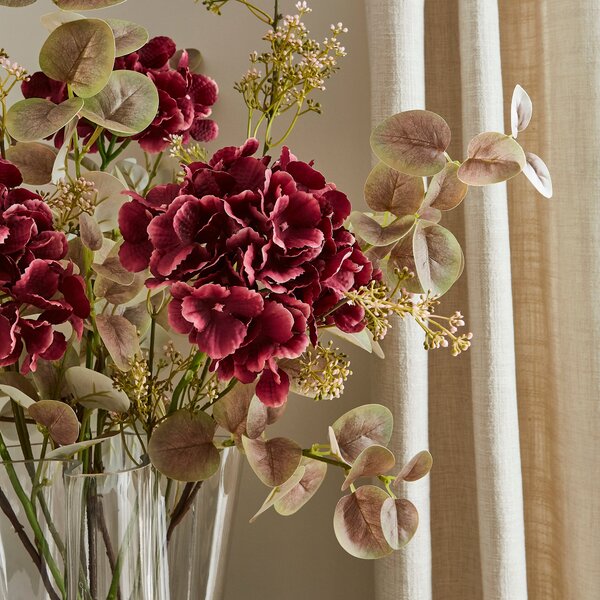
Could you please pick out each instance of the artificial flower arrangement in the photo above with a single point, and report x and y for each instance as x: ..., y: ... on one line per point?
x: 251, y: 257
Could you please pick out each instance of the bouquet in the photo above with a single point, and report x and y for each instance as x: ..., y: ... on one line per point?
x: 175, y: 297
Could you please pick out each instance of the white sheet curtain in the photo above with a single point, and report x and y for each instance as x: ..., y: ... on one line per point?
x: 512, y: 508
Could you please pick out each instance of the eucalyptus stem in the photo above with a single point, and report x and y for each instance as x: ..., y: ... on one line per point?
x: 325, y: 459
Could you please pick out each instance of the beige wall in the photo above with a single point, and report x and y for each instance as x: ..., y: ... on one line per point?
x: 275, y: 558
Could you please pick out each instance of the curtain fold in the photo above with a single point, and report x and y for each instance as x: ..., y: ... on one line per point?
x: 514, y: 424
x: 397, y: 61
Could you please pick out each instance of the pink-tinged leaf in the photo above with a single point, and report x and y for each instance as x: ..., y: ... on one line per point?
x: 21, y: 383
x: 257, y: 420
x: 521, y: 109
x: 412, y: 142
x: 35, y: 161
x: 182, y: 446
x: 362, y: 427
x: 438, y: 257
x: 274, y: 461
x: 91, y: 234
x: 537, y: 172
x: 372, y: 461
x: 16, y: 3
x: 416, y: 468
x: 72, y: 449
x: 58, y: 418
x: 194, y: 58
x: 36, y: 118
x: 374, y: 234
x: 333, y: 443
x: 493, y: 157
x: 446, y: 191
x: 399, y: 522
x: 118, y: 293
x: 297, y: 496
x: 112, y: 269
x: 278, y: 492
x: 231, y: 411
x: 129, y: 36
x: 120, y: 338
x: 95, y: 390
x: 357, y: 523
x: 80, y: 53
x: 389, y: 190
x: 85, y: 4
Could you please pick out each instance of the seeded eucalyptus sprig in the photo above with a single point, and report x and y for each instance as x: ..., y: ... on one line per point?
x: 282, y: 80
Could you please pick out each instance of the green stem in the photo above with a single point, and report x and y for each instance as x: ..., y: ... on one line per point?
x: 22, y: 432
x: 185, y: 381
x: 97, y: 133
x: 329, y: 461
x: 153, y: 172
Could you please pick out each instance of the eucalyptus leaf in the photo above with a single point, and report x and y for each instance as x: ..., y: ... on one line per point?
x: 412, y: 142
x: 446, y: 191
x: 120, y: 338
x: 109, y: 198
x: 125, y: 106
x: 55, y: 19
x: 91, y: 234
x: 82, y: 54
x: 372, y: 461
x: 16, y: 3
x: 416, y: 468
x: 95, y: 390
x: 120, y: 294
x: 521, y: 110
x: 389, y: 190
x: 299, y: 494
x: 399, y: 522
x: 36, y: 118
x: 375, y: 234
x: 257, y: 419
x: 493, y: 158
x: 112, y: 269
x: 274, y: 461
x: 278, y: 492
x: 364, y: 426
x: 133, y: 176
x: 129, y: 36
x: 333, y: 444
x: 182, y: 446
x: 537, y: 172
x: 72, y: 449
x: 231, y: 411
x: 35, y: 161
x: 194, y: 58
x: 85, y: 4
x: 58, y: 418
x: 17, y: 395
x: 59, y: 169
x: 357, y: 523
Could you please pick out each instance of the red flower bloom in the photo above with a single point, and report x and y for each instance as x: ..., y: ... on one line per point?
x: 239, y: 229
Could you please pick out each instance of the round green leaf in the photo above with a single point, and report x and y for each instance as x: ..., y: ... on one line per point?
x: 492, y: 157
x: 182, y: 447
x: 36, y: 118
x: 231, y: 411
x: 389, y: 190
x: 298, y: 495
x: 126, y: 106
x: 120, y: 338
x: 362, y: 427
x: 80, y: 53
x: 446, y: 191
x: 85, y: 4
x: 375, y: 234
x: 58, y: 418
x: 412, y: 142
x: 357, y: 523
x: 91, y: 234
x: 399, y: 522
x: 372, y: 461
x: 438, y: 257
x: 416, y: 468
x: 95, y: 390
x: 129, y: 36
x: 55, y: 19
x: 274, y: 461
x: 35, y: 161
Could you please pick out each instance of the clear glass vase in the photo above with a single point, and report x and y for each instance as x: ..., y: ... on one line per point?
x: 116, y: 536
x: 33, y: 529
x: 198, y: 539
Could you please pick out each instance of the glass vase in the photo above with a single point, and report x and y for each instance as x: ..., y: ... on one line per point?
x: 116, y: 536
x: 198, y: 539
x: 33, y: 529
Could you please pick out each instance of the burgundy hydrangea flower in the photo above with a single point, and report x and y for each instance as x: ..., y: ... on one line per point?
x: 256, y: 257
x: 38, y: 289
x: 185, y: 98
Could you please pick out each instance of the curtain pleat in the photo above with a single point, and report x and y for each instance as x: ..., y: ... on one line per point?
x: 493, y: 373
x: 396, y: 49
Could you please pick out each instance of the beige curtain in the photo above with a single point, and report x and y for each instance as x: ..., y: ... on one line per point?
x: 512, y: 508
